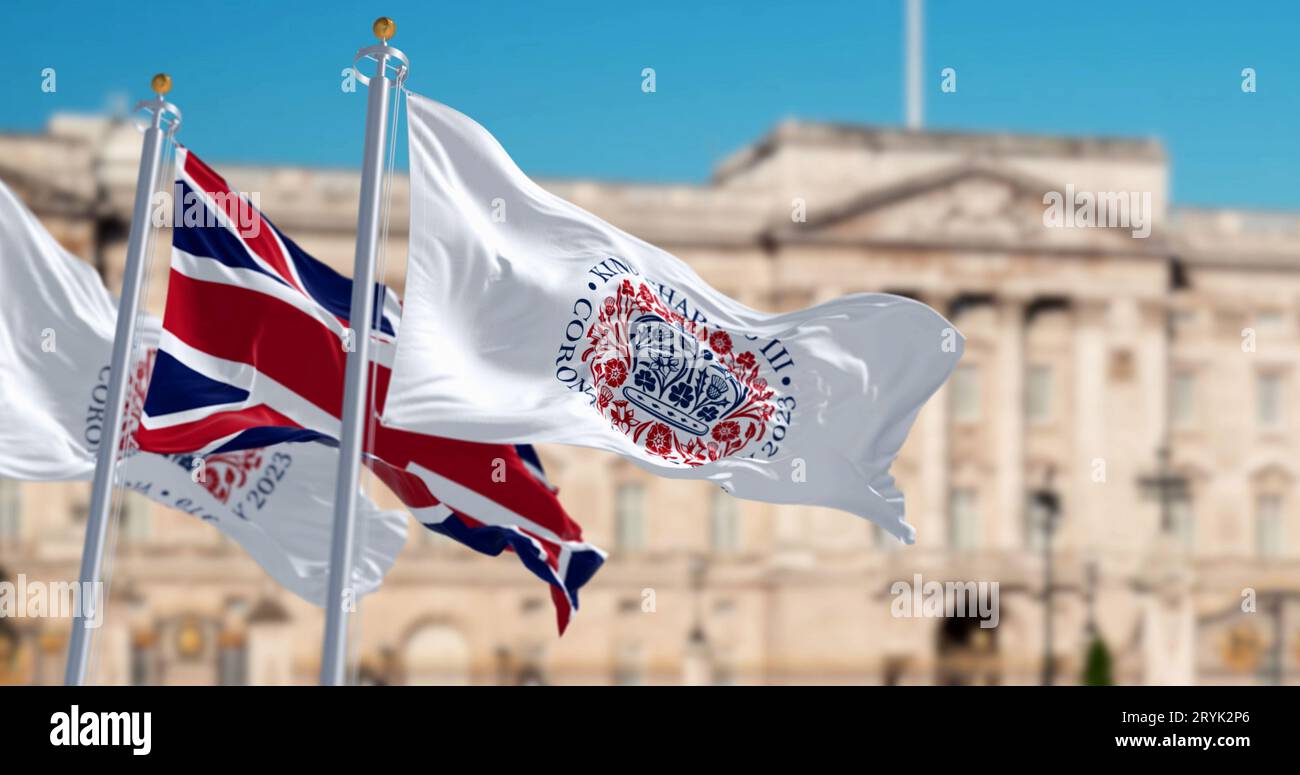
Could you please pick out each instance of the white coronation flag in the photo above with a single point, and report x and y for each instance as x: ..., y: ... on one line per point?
x: 528, y: 319
x: 56, y: 336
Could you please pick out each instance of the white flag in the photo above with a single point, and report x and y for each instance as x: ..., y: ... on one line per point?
x: 528, y: 319
x: 56, y: 337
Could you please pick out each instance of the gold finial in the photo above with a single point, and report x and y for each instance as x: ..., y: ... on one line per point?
x: 161, y: 84
x: 385, y: 28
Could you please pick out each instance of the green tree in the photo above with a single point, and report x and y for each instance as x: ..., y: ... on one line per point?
x: 1097, y: 666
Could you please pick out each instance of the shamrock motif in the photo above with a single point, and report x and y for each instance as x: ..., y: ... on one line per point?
x: 681, y: 394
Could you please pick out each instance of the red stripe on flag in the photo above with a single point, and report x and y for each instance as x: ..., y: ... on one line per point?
x: 563, y: 612
x: 494, y: 471
x: 409, y: 488
x: 279, y: 340
x: 200, y: 433
x: 257, y: 233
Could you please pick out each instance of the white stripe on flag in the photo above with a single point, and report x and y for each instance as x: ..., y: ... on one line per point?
x: 261, y: 390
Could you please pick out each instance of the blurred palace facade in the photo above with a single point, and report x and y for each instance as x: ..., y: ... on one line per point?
x: 1089, y: 351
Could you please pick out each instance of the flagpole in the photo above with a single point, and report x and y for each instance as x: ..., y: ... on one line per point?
x: 161, y: 126
x: 340, y: 600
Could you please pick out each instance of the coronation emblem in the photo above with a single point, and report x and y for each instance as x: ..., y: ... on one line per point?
x: 678, y: 388
x: 224, y: 473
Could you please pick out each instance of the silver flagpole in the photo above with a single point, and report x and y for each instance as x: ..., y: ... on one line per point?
x: 340, y: 600
x: 101, y: 499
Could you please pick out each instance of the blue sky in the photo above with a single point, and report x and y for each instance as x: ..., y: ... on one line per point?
x: 559, y: 82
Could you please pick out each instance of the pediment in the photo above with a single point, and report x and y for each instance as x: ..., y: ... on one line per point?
x: 967, y: 205
x: 41, y: 196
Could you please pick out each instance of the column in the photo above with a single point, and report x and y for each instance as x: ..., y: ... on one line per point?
x: 1010, y: 438
x: 1083, y: 524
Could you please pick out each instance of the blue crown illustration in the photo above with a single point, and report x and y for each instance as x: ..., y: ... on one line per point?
x: 676, y: 379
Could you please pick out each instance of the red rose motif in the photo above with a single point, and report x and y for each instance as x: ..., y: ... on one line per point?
x: 610, y: 305
x: 659, y: 440
x: 746, y: 360
x: 727, y: 431
x: 760, y: 384
x: 228, y: 482
x: 720, y: 341
x: 604, y: 397
x: 228, y: 472
x: 615, y: 373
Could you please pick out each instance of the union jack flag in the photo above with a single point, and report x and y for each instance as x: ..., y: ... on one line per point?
x: 252, y: 354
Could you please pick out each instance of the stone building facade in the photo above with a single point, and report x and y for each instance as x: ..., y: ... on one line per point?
x: 1102, y: 370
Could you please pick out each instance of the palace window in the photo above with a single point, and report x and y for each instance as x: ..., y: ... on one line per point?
x: 724, y: 521
x: 1182, y: 319
x: 1268, y: 525
x: 11, y: 508
x: 1268, y: 318
x: 1038, y: 394
x: 1268, y: 400
x: 136, y: 519
x: 724, y: 667
x: 1182, y: 518
x: 144, y: 659
x: 966, y: 394
x: 629, y: 517
x: 629, y: 665
x: 232, y: 660
x: 1183, y: 399
x: 963, y: 519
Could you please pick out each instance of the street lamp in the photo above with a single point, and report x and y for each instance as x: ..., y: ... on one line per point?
x: 1167, y: 486
x: 1048, y: 504
x: 698, y: 667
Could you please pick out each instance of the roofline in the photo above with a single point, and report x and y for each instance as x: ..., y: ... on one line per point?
x: 876, y: 137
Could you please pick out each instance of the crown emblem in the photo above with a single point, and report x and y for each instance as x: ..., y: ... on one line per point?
x: 677, y: 388
x: 676, y: 379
